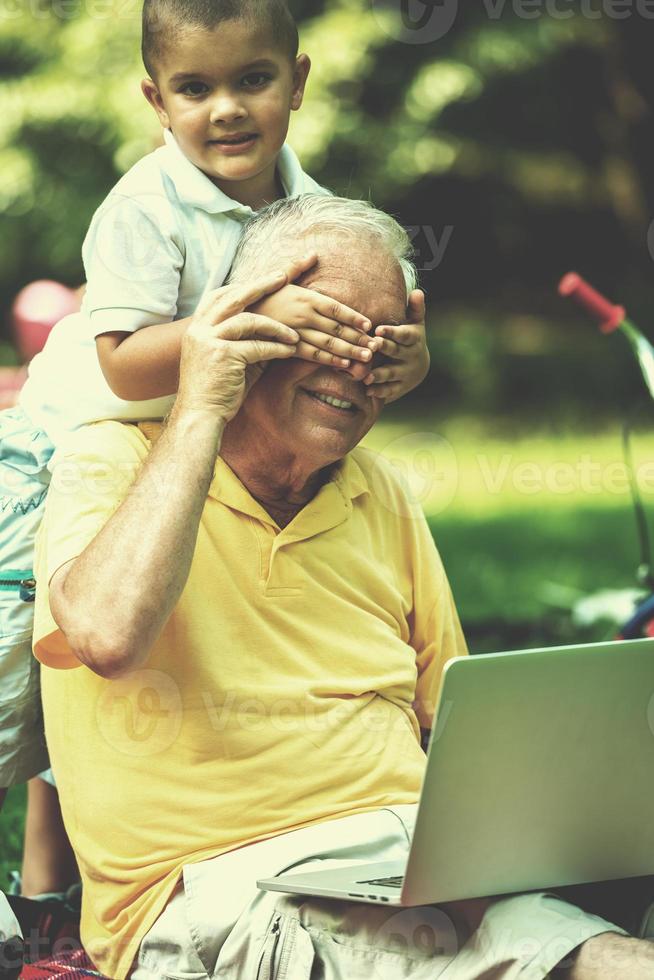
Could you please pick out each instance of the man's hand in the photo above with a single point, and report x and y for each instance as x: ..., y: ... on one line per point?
x: 406, y: 348
x: 330, y: 333
x: 221, y: 348
x: 224, y: 347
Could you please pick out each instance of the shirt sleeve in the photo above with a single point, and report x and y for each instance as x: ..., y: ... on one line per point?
x: 133, y: 259
x: 91, y: 475
x: 436, y: 633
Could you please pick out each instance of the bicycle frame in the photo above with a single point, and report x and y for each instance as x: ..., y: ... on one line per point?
x: 610, y: 317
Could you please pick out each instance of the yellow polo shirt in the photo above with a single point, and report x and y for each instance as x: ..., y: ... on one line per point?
x: 288, y: 686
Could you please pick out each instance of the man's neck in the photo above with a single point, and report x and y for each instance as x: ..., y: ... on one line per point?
x: 282, y: 485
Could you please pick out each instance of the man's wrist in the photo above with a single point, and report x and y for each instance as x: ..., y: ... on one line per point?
x: 187, y: 414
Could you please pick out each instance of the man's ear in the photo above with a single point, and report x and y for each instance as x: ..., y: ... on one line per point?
x: 153, y: 95
x: 300, y: 75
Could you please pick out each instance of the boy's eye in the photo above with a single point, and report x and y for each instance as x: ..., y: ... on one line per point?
x: 194, y: 88
x: 256, y: 79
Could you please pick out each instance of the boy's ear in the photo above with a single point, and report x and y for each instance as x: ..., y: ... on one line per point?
x: 152, y: 94
x: 300, y: 75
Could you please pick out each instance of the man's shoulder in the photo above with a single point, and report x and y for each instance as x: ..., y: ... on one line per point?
x: 388, y: 482
x: 104, y: 440
x: 98, y: 462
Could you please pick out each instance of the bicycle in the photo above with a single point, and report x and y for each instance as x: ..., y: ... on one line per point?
x: 611, y: 317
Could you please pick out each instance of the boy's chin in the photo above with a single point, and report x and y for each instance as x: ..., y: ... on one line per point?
x: 236, y: 172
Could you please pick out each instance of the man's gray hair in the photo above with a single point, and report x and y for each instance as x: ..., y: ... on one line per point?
x: 271, y: 237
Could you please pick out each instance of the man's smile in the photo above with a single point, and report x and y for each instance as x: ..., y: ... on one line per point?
x: 333, y: 402
x: 337, y: 399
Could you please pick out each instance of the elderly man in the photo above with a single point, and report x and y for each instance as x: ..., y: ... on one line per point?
x: 258, y: 620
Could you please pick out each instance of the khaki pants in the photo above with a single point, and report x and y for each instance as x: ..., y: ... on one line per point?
x: 219, y: 925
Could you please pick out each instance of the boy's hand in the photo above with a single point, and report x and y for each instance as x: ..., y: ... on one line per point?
x: 406, y: 348
x: 330, y: 333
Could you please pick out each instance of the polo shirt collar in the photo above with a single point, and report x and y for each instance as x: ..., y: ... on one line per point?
x: 350, y: 478
x: 196, y: 189
x: 331, y: 506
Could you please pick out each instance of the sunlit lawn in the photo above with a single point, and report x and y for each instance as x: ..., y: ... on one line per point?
x: 466, y: 469
x: 523, y: 524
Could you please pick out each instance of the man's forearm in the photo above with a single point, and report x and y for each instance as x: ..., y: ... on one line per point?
x: 120, y: 591
x: 113, y: 600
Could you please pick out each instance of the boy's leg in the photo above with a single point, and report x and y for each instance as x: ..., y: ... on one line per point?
x: 48, y: 861
x: 24, y: 479
x: 10, y: 931
x: 24, y: 455
x: 11, y: 945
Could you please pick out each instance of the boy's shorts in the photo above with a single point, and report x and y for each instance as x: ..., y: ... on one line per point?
x: 24, y: 477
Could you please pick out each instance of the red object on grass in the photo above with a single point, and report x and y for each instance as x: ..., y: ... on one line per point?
x: 11, y: 381
x: 35, y: 311
x: 599, y: 307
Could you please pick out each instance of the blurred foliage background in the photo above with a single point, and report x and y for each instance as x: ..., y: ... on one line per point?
x: 513, y: 138
x: 516, y: 142
x: 516, y: 146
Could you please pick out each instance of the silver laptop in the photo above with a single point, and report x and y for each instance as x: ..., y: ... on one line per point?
x: 540, y: 773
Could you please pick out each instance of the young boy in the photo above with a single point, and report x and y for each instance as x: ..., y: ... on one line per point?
x: 223, y: 80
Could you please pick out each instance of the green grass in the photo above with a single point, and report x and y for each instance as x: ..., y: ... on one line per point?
x: 12, y: 821
x: 463, y: 468
x: 514, y: 575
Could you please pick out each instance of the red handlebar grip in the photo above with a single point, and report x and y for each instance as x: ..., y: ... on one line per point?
x: 609, y: 315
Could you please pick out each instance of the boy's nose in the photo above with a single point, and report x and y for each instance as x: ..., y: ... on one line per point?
x: 226, y: 109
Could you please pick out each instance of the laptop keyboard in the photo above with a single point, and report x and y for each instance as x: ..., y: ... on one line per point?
x: 391, y: 882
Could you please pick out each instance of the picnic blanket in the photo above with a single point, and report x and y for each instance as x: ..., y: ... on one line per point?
x: 72, y: 965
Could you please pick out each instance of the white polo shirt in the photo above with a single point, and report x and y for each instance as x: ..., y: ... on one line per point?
x: 163, y: 236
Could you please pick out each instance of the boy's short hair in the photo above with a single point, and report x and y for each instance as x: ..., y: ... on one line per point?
x: 164, y: 20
